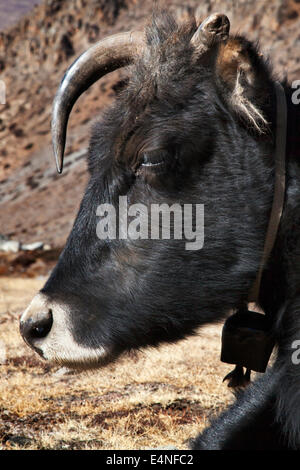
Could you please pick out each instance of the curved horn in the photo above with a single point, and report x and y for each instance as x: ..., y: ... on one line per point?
x: 107, y: 55
x: 214, y: 29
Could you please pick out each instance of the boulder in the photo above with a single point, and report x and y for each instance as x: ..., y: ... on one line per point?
x: 9, y: 246
x: 32, y: 246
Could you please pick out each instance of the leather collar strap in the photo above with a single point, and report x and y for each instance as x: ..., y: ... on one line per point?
x: 279, y: 187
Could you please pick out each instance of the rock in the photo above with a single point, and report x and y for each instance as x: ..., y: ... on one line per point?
x: 16, y: 131
x: 9, y: 246
x: 286, y: 12
x: 66, y: 46
x: 64, y: 371
x: 93, y: 32
x: 32, y: 246
x: 52, y: 6
x: 3, y: 357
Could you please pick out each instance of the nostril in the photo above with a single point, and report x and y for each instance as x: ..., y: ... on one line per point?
x: 42, y: 327
x: 39, y: 328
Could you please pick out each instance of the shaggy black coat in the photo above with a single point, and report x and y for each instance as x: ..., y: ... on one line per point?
x: 212, y: 118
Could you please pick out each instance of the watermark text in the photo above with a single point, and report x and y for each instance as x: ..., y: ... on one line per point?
x: 155, y: 222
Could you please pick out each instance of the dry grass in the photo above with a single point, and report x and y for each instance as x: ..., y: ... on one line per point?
x: 159, y: 398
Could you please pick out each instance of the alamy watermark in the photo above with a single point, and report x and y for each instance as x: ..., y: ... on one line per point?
x: 296, y: 354
x: 296, y: 94
x: 2, y: 92
x: 155, y: 222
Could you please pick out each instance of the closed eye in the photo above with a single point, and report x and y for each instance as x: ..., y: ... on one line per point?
x: 152, y: 164
x: 156, y: 164
x: 153, y: 158
x: 156, y: 157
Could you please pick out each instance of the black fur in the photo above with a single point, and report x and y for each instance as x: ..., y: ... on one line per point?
x: 130, y: 294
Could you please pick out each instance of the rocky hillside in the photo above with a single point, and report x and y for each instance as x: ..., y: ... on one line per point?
x: 35, y: 202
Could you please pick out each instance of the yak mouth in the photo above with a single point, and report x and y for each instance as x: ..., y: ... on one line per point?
x: 82, y: 366
x: 52, y: 338
x: 76, y: 358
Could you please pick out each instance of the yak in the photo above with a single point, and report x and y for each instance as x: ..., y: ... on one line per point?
x: 195, y: 123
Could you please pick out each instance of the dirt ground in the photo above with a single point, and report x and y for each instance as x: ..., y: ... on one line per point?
x: 158, y: 398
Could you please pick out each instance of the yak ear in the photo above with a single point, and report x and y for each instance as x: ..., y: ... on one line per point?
x: 213, y: 30
x: 240, y: 69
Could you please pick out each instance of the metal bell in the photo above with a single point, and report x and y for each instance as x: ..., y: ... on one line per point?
x: 247, y: 340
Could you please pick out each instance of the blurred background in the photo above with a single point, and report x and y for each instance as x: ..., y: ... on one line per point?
x: 159, y: 398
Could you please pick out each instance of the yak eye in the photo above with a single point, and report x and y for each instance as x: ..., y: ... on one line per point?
x: 153, y: 159
x: 154, y: 162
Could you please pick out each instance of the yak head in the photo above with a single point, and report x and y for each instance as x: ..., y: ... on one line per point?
x: 170, y: 231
